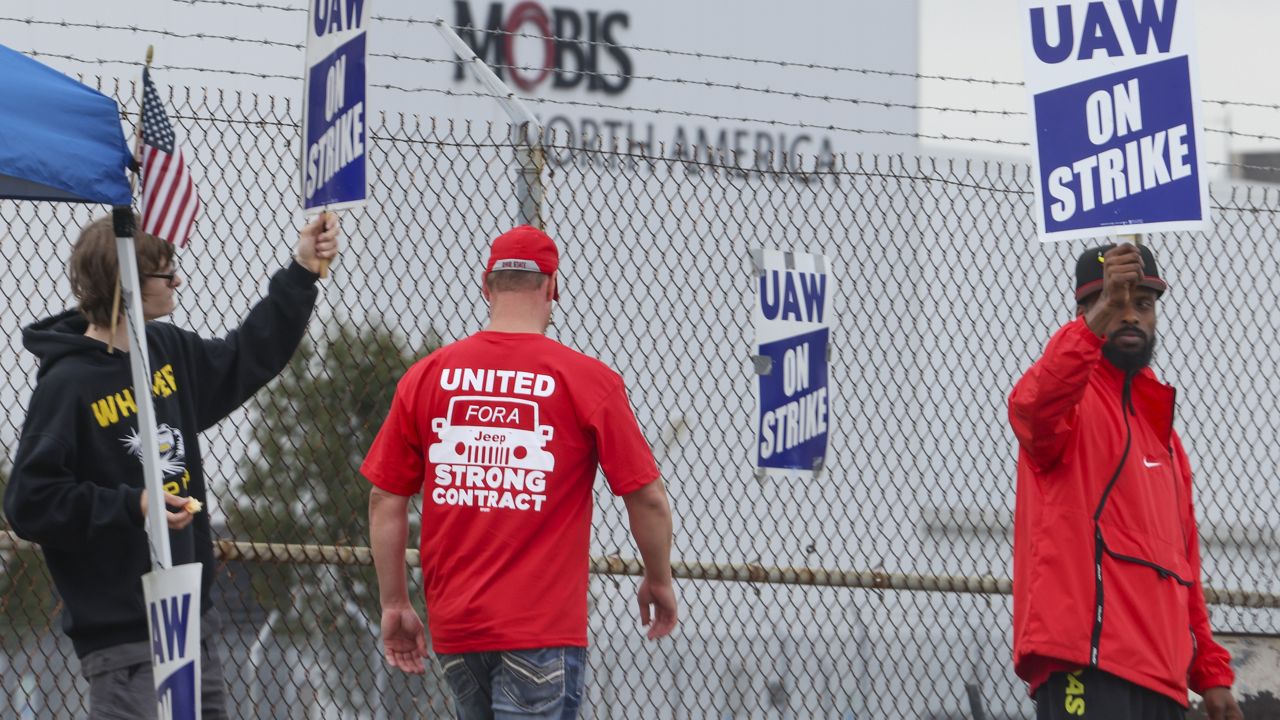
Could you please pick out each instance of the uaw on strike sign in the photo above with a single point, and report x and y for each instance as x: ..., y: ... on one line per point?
x: 334, y: 112
x: 1115, y: 103
x: 173, y: 616
x: 793, y: 339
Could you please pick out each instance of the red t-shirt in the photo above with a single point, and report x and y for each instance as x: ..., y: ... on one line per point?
x: 502, y: 433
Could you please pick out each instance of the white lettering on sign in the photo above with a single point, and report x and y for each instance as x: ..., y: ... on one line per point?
x: 1114, y: 174
x: 339, y: 146
x: 335, y: 90
x: 795, y: 369
x: 1114, y: 113
x: 796, y: 422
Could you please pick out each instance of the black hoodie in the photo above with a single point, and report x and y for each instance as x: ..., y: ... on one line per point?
x: 77, y: 475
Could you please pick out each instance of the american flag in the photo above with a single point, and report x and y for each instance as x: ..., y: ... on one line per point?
x: 169, y: 199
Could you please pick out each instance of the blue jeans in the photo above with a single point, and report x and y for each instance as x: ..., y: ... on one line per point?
x: 544, y: 683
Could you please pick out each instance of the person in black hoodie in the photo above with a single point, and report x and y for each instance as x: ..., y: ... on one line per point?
x: 76, y: 486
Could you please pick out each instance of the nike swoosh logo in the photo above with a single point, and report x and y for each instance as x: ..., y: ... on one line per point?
x: 1149, y: 464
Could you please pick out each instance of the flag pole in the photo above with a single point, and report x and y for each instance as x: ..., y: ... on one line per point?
x: 130, y: 293
x: 133, y: 186
x: 175, y: 666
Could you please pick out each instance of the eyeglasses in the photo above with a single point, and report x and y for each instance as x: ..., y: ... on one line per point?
x: 169, y: 278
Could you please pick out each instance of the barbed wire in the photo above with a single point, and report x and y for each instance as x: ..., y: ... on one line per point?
x: 250, y: 5
x: 726, y: 86
x: 152, y: 31
x: 1237, y: 133
x: 663, y: 111
x: 1245, y: 166
x: 587, y: 73
x: 638, y: 48
x: 578, y: 103
x: 691, y: 114
x: 164, y: 68
x: 1242, y: 103
x: 755, y: 89
x: 556, y: 38
x: 740, y: 58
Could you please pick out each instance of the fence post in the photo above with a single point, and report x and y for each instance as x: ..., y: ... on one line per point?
x: 526, y: 129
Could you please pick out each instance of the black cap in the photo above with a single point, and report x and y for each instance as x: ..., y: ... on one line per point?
x: 1089, y: 271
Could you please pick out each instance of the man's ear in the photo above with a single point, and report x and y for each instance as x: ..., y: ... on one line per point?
x: 484, y: 288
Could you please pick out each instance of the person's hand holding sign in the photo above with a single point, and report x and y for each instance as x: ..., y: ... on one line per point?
x: 1121, y: 273
x: 318, y: 243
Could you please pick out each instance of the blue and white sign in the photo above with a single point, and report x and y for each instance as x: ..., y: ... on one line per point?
x: 1115, y: 103
x: 173, y: 615
x: 793, y: 338
x: 334, y: 158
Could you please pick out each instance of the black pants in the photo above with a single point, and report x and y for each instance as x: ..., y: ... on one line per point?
x: 1094, y: 695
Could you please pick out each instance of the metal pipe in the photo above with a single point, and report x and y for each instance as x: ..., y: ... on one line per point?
x: 227, y: 550
x: 526, y: 128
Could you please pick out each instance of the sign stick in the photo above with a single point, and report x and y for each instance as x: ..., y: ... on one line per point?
x: 324, y: 264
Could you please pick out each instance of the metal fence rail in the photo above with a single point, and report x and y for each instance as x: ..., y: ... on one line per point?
x: 877, y: 589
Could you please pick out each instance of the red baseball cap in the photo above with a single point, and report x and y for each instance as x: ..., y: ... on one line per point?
x: 526, y: 248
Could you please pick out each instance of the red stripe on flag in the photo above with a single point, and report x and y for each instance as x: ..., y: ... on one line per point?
x: 181, y: 222
x: 182, y: 215
x: 162, y: 196
x: 150, y: 188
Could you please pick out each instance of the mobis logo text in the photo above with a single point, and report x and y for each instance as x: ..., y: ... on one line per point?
x: 568, y: 48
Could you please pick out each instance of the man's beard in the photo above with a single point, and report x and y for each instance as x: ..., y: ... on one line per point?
x: 1130, y: 361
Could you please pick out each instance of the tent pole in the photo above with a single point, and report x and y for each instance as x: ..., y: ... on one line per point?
x: 157, y: 515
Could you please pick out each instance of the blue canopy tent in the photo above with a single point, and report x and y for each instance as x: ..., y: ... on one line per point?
x: 59, y: 140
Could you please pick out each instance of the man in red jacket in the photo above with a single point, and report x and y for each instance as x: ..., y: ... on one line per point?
x: 1109, y: 615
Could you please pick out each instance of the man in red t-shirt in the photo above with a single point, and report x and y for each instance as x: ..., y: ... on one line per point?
x: 502, y: 432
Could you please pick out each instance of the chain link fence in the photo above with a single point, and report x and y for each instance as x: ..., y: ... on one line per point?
x: 877, y: 589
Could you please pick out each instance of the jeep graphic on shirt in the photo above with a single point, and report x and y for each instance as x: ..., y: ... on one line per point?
x: 492, y: 431
x: 491, y: 453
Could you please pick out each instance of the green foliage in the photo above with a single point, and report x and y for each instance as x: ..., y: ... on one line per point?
x: 303, y: 485
x: 27, y: 599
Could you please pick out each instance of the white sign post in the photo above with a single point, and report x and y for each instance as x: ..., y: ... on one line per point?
x: 176, y: 671
x: 1115, y: 103
x: 792, y: 317
x: 334, y: 128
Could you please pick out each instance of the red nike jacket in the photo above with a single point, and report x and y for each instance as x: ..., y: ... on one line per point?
x: 1106, y: 561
